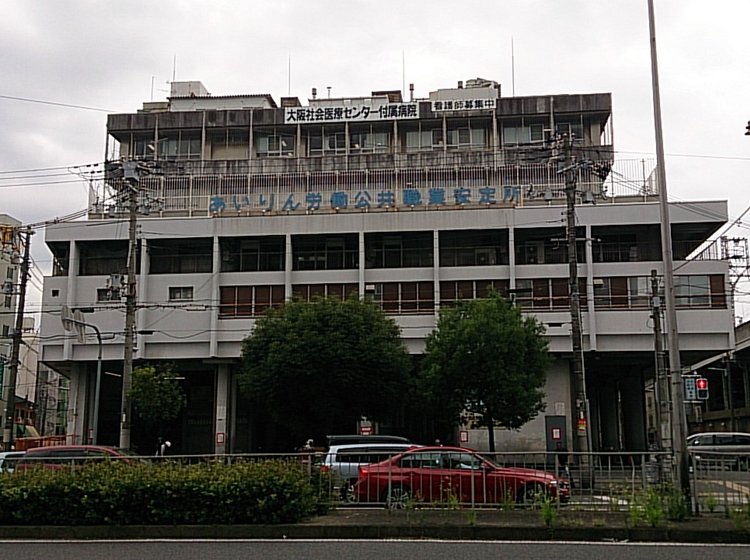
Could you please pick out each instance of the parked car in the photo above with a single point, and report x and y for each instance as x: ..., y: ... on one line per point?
x: 441, y: 474
x: 730, y: 449
x: 8, y: 460
x: 343, y: 462
x: 65, y: 456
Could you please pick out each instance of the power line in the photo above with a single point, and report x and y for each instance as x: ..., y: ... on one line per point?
x: 55, y: 103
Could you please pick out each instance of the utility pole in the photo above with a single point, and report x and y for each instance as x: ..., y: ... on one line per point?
x: 10, y: 392
x: 679, y: 428
x: 582, y: 427
x: 131, y: 182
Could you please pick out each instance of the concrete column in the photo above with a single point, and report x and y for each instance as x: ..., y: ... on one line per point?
x: 361, y: 269
x: 142, y: 295
x: 590, y: 289
x: 76, y: 427
x: 213, y: 345
x: 70, y: 294
x: 512, y: 256
x: 288, y: 266
x: 221, y: 436
x: 436, y: 269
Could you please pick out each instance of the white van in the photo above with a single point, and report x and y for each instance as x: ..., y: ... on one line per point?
x: 727, y: 448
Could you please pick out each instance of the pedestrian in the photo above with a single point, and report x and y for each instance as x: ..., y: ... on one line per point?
x: 162, y: 447
x: 562, y: 458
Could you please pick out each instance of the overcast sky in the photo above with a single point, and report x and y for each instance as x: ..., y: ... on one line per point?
x: 114, y: 56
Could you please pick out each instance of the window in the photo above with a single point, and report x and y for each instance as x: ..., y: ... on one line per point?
x: 180, y: 293
x: 417, y: 140
x: 180, y: 256
x: 252, y: 254
x: 309, y: 292
x: 548, y: 293
x: 700, y: 291
x: 368, y: 142
x: 274, y: 144
x: 102, y: 258
x: 466, y: 138
x: 104, y: 295
x: 398, y: 250
x: 405, y: 297
x: 323, y: 252
x: 473, y: 248
x: 517, y: 135
x: 573, y: 129
x: 453, y: 291
x: 249, y: 301
x: 335, y: 143
x: 181, y: 146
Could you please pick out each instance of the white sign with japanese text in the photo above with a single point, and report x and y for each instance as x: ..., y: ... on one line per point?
x: 443, y: 105
x: 351, y: 113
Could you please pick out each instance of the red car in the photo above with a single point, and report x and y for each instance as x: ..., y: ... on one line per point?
x: 56, y: 457
x: 444, y: 474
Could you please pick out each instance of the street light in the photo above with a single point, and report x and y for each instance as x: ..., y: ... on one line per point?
x: 71, y: 321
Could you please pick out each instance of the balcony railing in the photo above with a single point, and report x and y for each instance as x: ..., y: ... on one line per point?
x: 405, y: 181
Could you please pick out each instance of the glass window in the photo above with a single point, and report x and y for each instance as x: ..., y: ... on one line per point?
x: 180, y: 293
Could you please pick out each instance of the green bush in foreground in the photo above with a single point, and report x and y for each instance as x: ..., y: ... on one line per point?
x: 112, y: 493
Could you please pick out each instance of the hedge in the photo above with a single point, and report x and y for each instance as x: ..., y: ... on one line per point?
x: 115, y: 493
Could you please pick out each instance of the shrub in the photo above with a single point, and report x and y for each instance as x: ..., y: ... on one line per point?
x: 114, y: 493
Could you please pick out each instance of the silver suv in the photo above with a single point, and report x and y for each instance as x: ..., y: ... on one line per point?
x: 343, y: 460
x: 726, y: 448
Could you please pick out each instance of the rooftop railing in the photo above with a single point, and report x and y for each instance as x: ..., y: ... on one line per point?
x: 199, y: 188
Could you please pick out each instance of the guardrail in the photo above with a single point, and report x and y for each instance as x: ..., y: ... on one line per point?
x: 602, y: 481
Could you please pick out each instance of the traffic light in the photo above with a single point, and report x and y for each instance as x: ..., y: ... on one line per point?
x: 701, y: 387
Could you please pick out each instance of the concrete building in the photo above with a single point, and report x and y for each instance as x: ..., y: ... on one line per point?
x: 9, y: 267
x: 415, y: 202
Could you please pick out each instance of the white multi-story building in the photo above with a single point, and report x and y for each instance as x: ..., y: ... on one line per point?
x: 417, y: 203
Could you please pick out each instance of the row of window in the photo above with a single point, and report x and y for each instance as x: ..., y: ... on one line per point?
x: 341, y: 252
x: 333, y: 140
x: 699, y: 291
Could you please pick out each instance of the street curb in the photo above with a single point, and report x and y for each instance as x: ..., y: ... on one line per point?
x: 377, y: 531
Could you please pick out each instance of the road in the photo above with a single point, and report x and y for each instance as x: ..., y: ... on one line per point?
x: 361, y: 550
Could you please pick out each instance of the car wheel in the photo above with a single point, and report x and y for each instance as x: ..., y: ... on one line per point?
x: 397, y: 497
x: 347, y: 492
x: 531, y: 493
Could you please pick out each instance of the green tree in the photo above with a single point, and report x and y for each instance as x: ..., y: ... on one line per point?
x: 156, y: 396
x: 486, y: 358
x: 318, y: 367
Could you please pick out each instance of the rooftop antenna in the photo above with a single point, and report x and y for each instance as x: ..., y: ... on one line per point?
x: 174, y: 67
x: 403, y: 70
x: 329, y: 91
x: 512, y: 67
x: 289, y: 77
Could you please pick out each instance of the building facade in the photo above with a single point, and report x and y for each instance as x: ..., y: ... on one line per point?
x: 244, y: 203
x: 9, y: 267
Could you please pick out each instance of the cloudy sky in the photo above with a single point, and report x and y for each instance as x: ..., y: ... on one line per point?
x: 66, y: 64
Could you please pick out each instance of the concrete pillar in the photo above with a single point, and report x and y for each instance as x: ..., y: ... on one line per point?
x: 213, y: 345
x: 76, y: 427
x: 288, y: 266
x: 361, y: 269
x: 221, y: 442
x: 70, y: 295
x: 141, y: 316
x: 436, y: 268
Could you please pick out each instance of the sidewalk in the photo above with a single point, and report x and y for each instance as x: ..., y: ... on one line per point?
x: 377, y: 523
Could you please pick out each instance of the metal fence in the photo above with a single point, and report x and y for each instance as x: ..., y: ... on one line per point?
x: 602, y: 481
